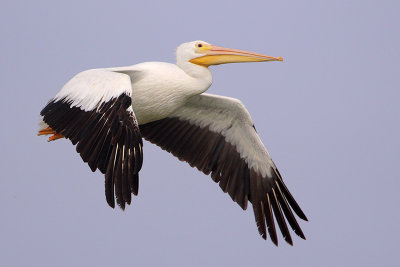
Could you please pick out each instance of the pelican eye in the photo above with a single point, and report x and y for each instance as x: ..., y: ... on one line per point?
x: 199, y: 45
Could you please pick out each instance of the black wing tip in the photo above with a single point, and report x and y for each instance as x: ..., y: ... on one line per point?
x: 273, y: 236
x: 303, y: 217
x: 111, y: 204
x: 300, y: 213
x: 263, y: 233
x: 292, y: 202
x: 300, y: 234
x: 274, y: 240
x: 288, y: 239
x: 135, y: 188
x: 242, y: 205
x: 122, y: 206
x: 287, y: 197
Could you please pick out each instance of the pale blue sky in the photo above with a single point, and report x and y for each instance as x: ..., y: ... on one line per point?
x: 329, y: 115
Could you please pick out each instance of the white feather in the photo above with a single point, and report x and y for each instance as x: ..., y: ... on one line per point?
x: 90, y: 87
x: 229, y: 117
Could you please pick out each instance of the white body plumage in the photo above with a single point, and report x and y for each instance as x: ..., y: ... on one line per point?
x: 159, y: 88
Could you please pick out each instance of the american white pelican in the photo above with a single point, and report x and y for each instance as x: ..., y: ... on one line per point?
x: 106, y: 112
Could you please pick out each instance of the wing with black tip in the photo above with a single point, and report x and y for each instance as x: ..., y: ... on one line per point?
x: 94, y: 111
x: 216, y: 135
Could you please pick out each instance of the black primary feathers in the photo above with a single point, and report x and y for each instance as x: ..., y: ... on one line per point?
x: 107, y: 138
x: 209, y: 152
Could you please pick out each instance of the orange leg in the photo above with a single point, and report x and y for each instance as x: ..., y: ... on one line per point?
x: 47, y: 131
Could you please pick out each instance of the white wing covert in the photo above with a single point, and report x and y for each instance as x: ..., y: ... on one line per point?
x: 94, y: 111
x: 216, y: 135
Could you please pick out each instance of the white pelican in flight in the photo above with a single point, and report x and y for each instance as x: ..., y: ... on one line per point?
x: 106, y: 112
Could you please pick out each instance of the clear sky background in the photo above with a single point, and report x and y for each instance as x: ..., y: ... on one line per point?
x: 329, y: 115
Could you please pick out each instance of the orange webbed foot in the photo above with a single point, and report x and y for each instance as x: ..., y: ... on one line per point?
x: 47, y: 131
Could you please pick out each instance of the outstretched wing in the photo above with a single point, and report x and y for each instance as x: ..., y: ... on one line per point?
x: 216, y: 134
x: 94, y: 111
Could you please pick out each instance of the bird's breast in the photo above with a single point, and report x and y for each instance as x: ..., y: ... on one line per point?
x: 156, y: 96
x: 158, y: 89
x: 151, y: 104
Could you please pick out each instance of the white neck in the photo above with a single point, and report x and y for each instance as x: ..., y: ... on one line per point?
x: 201, y: 75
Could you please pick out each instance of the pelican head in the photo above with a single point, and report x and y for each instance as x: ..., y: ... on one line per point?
x: 205, y: 54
